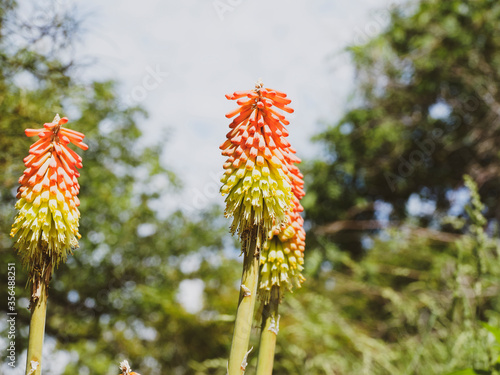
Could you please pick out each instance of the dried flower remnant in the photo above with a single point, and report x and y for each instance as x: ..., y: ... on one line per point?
x: 47, y: 221
x: 125, y: 368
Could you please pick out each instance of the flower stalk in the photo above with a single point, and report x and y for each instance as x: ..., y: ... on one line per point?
x: 268, y: 334
x: 246, y: 305
x: 37, y: 329
x: 47, y: 221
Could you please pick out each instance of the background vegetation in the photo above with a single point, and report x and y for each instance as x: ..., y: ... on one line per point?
x: 402, y: 251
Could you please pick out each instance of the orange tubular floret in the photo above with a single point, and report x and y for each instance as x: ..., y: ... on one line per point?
x: 278, y: 115
x: 237, y: 95
x: 32, y: 132
x: 71, y: 132
x: 32, y: 159
x: 235, y: 112
x: 70, y: 171
x: 39, y: 161
x: 43, y: 168
x: 275, y: 92
x: 245, y: 103
x: 267, y: 102
x: 61, y: 171
x: 253, y: 116
x: 39, y: 150
x: 45, y: 133
x: 28, y: 159
x: 242, y: 117
x: 283, y: 107
x: 65, y: 140
x: 77, y: 157
x: 46, y: 181
x: 49, y: 125
x: 277, y: 127
x: 81, y: 145
x: 279, y: 99
x: 73, y: 138
x: 225, y: 145
x: 39, y: 144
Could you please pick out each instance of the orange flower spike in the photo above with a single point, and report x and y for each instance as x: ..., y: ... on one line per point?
x: 256, y: 179
x: 47, y: 220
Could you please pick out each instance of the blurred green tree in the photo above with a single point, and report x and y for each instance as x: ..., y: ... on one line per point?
x: 414, y: 303
x: 400, y: 274
x: 426, y: 112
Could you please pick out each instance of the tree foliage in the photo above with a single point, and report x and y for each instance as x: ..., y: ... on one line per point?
x: 407, y: 271
x: 428, y: 113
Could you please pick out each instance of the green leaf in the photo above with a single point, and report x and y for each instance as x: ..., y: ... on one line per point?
x: 493, y: 330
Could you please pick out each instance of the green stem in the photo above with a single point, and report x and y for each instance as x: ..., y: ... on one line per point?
x: 268, y: 334
x: 244, y: 315
x: 37, y: 329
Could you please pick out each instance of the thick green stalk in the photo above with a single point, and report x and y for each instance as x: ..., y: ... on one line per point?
x: 37, y: 329
x: 244, y: 315
x: 268, y: 334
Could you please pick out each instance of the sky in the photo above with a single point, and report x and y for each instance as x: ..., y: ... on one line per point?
x: 179, y: 59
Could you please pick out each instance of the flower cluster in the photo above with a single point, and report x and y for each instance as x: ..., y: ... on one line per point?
x: 48, y: 217
x: 259, y: 171
x: 282, y: 256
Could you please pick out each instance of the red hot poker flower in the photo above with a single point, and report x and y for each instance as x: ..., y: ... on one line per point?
x: 259, y: 170
x: 48, y: 217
